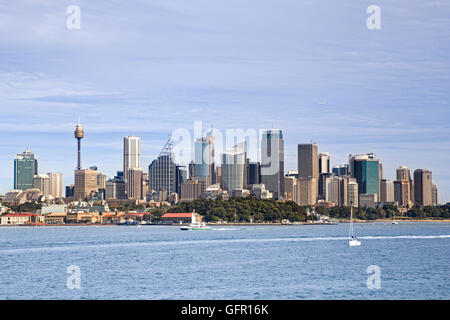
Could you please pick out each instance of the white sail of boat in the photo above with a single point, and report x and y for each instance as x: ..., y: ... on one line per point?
x: 352, y: 241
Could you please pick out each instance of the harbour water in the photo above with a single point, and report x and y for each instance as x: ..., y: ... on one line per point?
x: 227, y: 262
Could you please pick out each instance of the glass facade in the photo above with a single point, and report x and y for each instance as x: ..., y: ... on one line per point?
x: 25, y: 168
x: 367, y: 175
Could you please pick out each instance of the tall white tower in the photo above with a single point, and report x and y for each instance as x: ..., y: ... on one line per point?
x: 131, y: 154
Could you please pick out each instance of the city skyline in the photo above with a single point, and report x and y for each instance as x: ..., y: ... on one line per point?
x: 352, y: 90
x: 312, y: 154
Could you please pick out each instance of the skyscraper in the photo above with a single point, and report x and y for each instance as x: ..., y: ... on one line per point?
x: 337, y: 190
x: 115, y: 189
x: 25, y: 168
x: 308, y: 162
x: 342, y: 170
x: 402, y: 193
x: 131, y: 154
x: 56, y: 189
x: 101, y: 180
x: 386, y: 191
x: 162, y: 171
x: 324, y: 162
x: 233, y: 163
x: 404, y: 175
x: 181, y: 176
x: 134, y: 183
x: 435, y: 195
x: 253, y: 174
x: 366, y: 169
x: 423, y: 187
x: 308, y: 167
x: 42, y: 182
x: 353, y: 193
x: 290, y: 188
x: 85, y: 183
x: 204, y: 158
x: 272, y: 162
x: 307, y: 191
x: 324, y: 171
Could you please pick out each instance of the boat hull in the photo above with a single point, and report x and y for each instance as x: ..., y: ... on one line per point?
x: 195, y: 228
x: 354, y: 243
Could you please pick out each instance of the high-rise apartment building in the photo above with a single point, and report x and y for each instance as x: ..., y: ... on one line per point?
x: 272, y: 162
x: 423, y: 187
x: 25, y: 168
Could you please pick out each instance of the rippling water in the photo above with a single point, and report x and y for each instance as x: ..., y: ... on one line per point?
x: 245, y: 262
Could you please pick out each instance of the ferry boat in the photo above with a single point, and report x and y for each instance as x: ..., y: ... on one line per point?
x: 195, y: 225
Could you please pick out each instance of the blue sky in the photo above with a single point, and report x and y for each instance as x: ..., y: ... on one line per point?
x: 148, y: 67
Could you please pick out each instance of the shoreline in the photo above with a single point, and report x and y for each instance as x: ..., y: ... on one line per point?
x: 227, y: 224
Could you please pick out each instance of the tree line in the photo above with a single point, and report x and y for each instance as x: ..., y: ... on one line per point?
x: 251, y: 209
x: 247, y: 209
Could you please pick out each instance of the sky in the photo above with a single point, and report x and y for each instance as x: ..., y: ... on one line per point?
x: 147, y: 68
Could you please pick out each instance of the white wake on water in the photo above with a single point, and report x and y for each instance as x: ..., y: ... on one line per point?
x: 205, y: 241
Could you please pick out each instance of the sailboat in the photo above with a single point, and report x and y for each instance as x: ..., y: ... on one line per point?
x: 352, y: 241
x: 195, y: 225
